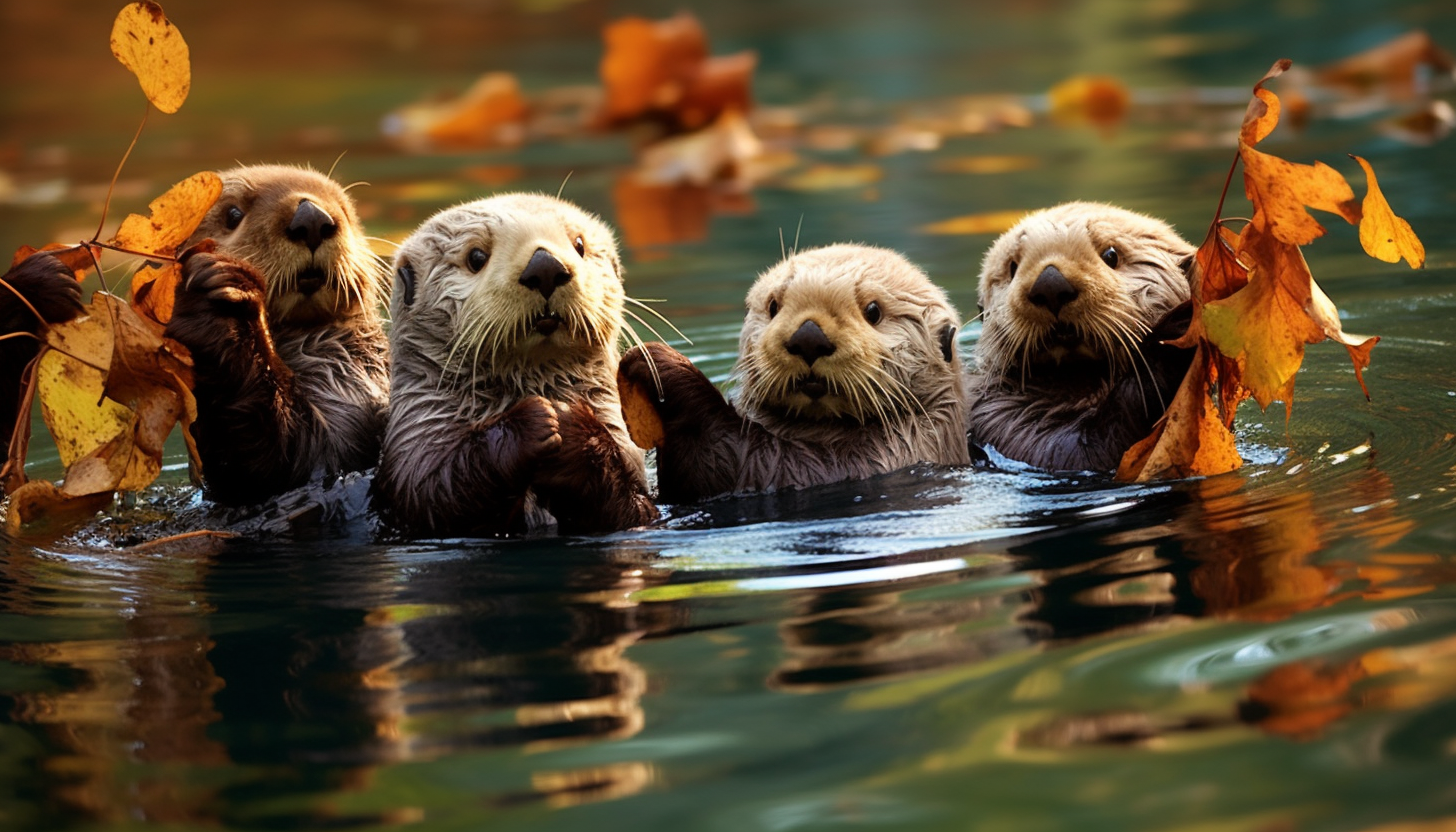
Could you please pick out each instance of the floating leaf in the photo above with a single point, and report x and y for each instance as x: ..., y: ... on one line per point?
x: 827, y: 177
x: 39, y: 503
x: 991, y: 222
x: 147, y: 43
x: 717, y: 152
x: 988, y: 164
x: 661, y: 69
x: 174, y: 216
x: 1383, y: 235
x: 1394, y: 64
x: 1095, y: 99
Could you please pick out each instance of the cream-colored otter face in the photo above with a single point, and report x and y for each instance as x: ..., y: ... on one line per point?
x: 846, y: 332
x: 516, y: 280
x: 1078, y: 282
x: 299, y: 229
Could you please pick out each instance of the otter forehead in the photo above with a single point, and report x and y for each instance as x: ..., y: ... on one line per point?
x: 510, y: 225
x: 843, y: 272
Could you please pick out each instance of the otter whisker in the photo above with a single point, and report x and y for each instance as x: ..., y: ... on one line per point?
x: 643, y: 303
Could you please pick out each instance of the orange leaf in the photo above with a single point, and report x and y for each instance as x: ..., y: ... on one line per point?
x: 643, y: 423
x: 491, y: 112
x: 1323, y: 312
x: 77, y: 258
x: 1264, y: 326
x: 991, y: 222
x: 154, y: 289
x: 1263, y: 110
x: 1383, y: 235
x: 174, y: 216
x: 1190, y: 440
x: 1393, y: 63
x: 647, y: 63
x: 1095, y: 99
x: 147, y: 43
x: 1280, y: 190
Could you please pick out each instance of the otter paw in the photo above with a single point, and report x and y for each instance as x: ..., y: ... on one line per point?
x: 49, y: 286
x: 669, y: 378
x: 219, y: 286
x: 534, y: 431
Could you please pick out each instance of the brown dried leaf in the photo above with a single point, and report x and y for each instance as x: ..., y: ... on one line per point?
x: 174, y: 216
x: 1383, y: 235
x: 491, y: 113
x: 1190, y: 440
x: 147, y: 43
x: 39, y: 503
x: 1393, y: 64
x: 661, y: 70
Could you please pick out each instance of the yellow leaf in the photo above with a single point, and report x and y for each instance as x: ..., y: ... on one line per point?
x: 1383, y: 235
x: 992, y: 222
x: 174, y: 216
x: 147, y: 43
x: 988, y: 164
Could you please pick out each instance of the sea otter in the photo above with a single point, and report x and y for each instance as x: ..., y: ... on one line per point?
x: 504, y: 414
x: 39, y: 284
x: 847, y: 368
x: 1076, y: 301
x: 284, y: 325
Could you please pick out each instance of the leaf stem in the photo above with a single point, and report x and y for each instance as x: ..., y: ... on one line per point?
x: 117, y: 175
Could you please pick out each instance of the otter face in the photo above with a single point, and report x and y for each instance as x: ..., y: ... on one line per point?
x: 1081, y: 282
x: 513, y: 280
x: 846, y: 332
x: 298, y: 228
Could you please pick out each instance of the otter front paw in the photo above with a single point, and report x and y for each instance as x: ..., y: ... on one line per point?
x: 48, y: 285
x: 218, y: 285
x: 673, y: 384
x: 521, y: 438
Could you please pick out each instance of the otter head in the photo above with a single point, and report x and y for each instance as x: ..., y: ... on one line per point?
x: 1077, y: 285
x: 846, y: 332
x: 298, y: 228
x: 508, y: 284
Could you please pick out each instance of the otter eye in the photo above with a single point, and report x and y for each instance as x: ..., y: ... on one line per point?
x: 476, y: 259
x: 1110, y: 257
x: 234, y: 217
x: 580, y: 246
x: 872, y: 313
x: 1012, y: 272
x: 773, y: 308
x: 406, y: 277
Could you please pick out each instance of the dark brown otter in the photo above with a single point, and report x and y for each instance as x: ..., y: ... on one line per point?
x: 847, y: 368
x: 1071, y: 366
x: 504, y: 414
x: 43, y: 283
x: 284, y: 326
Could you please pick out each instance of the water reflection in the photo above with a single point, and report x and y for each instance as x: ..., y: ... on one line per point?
x: 290, y: 700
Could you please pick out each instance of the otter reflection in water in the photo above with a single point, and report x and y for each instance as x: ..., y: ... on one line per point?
x: 217, y: 694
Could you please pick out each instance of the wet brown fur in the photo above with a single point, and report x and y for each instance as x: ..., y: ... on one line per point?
x: 1075, y: 388
x: 290, y: 383
x: 496, y: 426
x: 895, y: 388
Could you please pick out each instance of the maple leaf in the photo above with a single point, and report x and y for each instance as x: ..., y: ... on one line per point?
x: 661, y: 69
x: 1256, y: 304
x: 174, y: 216
x: 147, y: 43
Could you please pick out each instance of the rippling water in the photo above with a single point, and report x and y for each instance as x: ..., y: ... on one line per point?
x: 1273, y: 649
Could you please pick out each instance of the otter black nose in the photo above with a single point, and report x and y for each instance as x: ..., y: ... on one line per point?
x: 311, y: 225
x: 544, y: 273
x: 1051, y: 290
x: 809, y: 343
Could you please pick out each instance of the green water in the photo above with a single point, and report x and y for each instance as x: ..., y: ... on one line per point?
x: 1273, y: 649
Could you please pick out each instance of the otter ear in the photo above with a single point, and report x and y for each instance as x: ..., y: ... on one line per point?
x: 406, y: 275
x: 1186, y: 264
x: 947, y: 342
